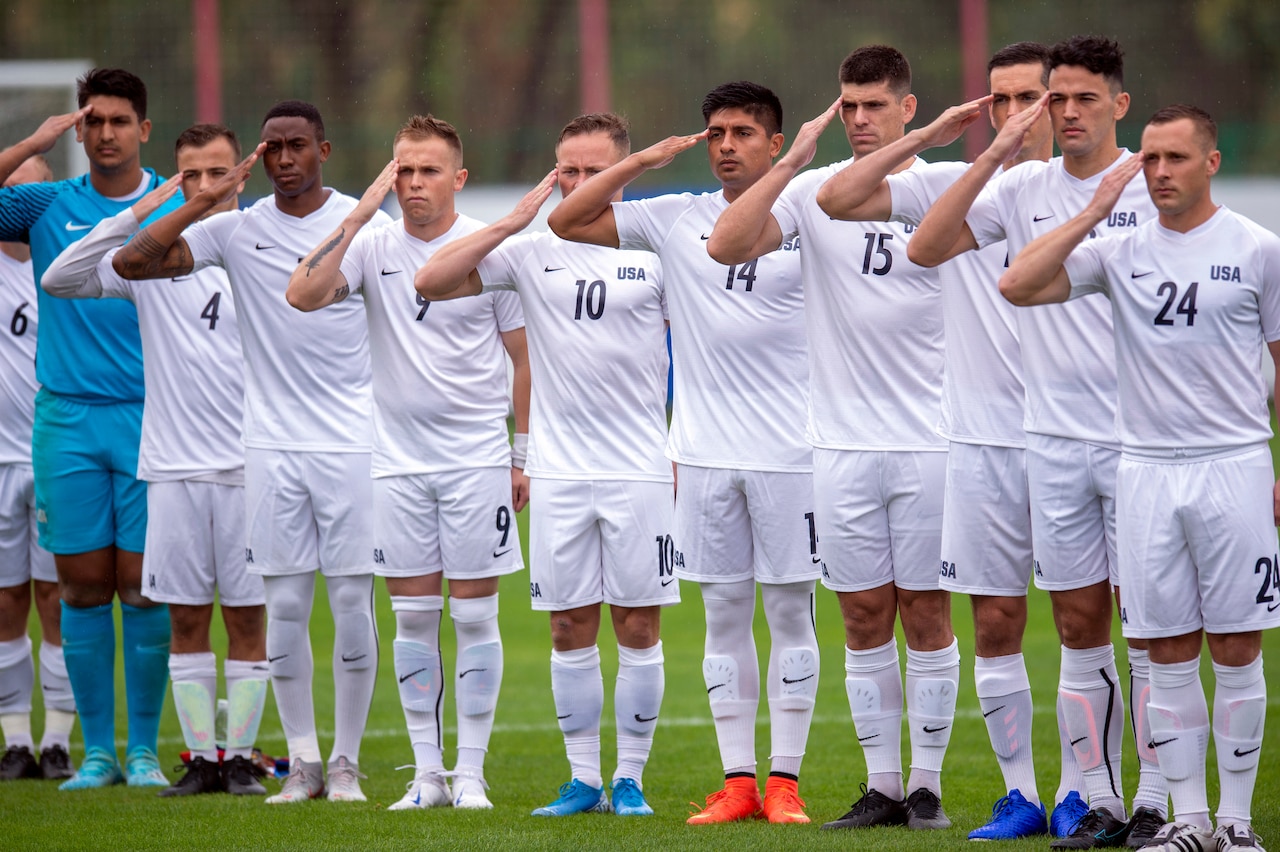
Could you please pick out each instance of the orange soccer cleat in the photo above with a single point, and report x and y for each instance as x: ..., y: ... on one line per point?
x: 782, y: 802
x: 740, y: 799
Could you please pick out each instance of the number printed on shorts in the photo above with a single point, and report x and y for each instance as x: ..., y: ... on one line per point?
x: 668, y: 559
x: 1269, y: 568
x: 504, y: 524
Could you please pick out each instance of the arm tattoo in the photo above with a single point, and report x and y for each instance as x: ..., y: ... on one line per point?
x: 147, y: 257
x: 341, y: 293
x: 320, y: 253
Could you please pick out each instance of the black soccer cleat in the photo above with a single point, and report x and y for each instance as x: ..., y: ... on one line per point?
x: 240, y: 777
x: 203, y: 776
x: 924, y: 811
x: 1143, y: 826
x: 873, y: 808
x: 55, y: 764
x: 18, y: 762
x: 1097, y: 829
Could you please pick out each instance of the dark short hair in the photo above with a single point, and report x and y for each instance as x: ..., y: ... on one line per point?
x: 615, y: 126
x: 1206, y: 127
x: 429, y: 127
x: 1021, y: 53
x: 297, y: 109
x: 877, y: 63
x: 114, y: 82
x: 1096, y: 54
x: 199, y: 135
x: 755, y: 100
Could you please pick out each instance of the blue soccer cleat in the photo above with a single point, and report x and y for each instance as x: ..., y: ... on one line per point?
x: 628, y: 800
x: 1012, y: 817
x: 577, y: 798
x: 98, y: 769
x: 142, y: 768
x: 1067, y: 814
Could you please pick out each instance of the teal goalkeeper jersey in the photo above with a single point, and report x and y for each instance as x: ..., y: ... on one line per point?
x: 88, y: 349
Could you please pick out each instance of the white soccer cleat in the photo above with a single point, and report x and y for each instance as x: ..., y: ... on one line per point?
x: 1182, y: 837
x: 1237, y: 838
x: 428, y: 789
x: 468, y: 792
x: 305, y: 782
x: 344, y: 781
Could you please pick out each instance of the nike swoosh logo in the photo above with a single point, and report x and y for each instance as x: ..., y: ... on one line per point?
x: 391, y: 272
x: 14, y: 694
x: 817, y: 560
x: 797, y: 680
x: 411, y: 674
x: 867, y: 737
x: 1108, y: 838
x: 1272, y: 607
x: 181, y: 278
x: 989, y: 712
x: 1079, y: 739
x: 705, y: 237
x: 929, y: 730
x: 259, y: 668
x: 666, y: 583
x: 553, y: 268
x: 1042, y: 218
x: 717, y: 686
x: 565, y: 716
x: 1158, y: 743
x: 469, y: 671
x: 71, y: 226
x: 1140, y: 274
x: 640, y: 718
x: 261, y: 247
x: 276, y: 659
x: 347, y: 659
x: 1237, y: 752
x: 498, y: 553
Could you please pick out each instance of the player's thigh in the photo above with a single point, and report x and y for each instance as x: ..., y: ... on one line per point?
x: 21, y: 558
x: 783, y: 526
x: 986, y: 522
x: 478, y: 535
x: 280, y: 529
x: 1068, y: 516
x: 565, y: 559
x: 237, y: 587
x: 638, y: 552
x: 852, y: 519
x: 73, y: 478
x: 177, y: 564
x: 713, y: 526
x: 341, y: 485
x: 915, y: 482
x: 406, y: 527
x: 123, y: 422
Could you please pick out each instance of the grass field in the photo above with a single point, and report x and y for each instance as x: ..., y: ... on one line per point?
x: 526, y: 761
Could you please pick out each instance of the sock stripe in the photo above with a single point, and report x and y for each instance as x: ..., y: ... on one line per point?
x: 1106, y: 731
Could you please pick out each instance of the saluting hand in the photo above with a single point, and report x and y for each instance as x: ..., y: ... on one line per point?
x: 658, y: 155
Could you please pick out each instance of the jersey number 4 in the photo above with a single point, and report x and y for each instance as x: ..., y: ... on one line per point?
x: 210, y: 311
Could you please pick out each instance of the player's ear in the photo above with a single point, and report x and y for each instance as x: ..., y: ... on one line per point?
x: 908, y: 108
x: 459, y: 179
x: 775, y: 145
x: 1214, y: 162
x: 1122, y: 106
x: 325, y: 147
x: 144, y: 130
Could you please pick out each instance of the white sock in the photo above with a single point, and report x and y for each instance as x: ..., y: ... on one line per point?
x: 873, y: 683
x: 731, y: 671
x: 1004, y: 696
x: 420, y: 674
x: 578, y: 689
x: 17, y: 682
x: 355, y: 661
x: 933, y: 682
x: 1239, y: 711
x: 195, y: 683
x: 59, y: 702
x: 1179, y: 720
x: 246, y: 699
x: 289, y: 599
x: 479, y: 676
x: 792, y: 681
x: 637, y: 698
x: 1152, y: 792
x: 1093, y: 708
x: 1070, y: 777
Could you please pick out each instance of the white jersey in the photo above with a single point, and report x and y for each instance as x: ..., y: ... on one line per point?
x: 1191, y: 313
x: 17, y: 359
x: 306, y: 374
x: 875, y: 326
x: 191, y: 359
x: 737, y: 339
x: 597, y: 353
x: 440, y: 393
x: 1068, y: 356
x: 982, y: 390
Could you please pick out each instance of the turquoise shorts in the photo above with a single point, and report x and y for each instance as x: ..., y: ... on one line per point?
x: 88, y: 495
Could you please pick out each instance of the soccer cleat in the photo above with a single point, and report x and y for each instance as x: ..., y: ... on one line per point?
x: 1012, y: 817
x: 1067, y: 813
x: 240, y: 777
x: 18, y: 762
x: 142, y: 768
x: 740, y: 799
x: 203, y: 776
x: 428, y: 789
x: 55, y: 763
x: 577, y: 798
x: 782, y: 802
x: 468, y: 792
x: 98, y: 769
x: 628, y: 800
x: 872, y: 808
x: 1183, y: 837
x: 1237, y: 838
x: 1143, y: 825
x: 1097, y: 828
x: 344, y: 781
x: 305, y: 781
x: 924, y: 811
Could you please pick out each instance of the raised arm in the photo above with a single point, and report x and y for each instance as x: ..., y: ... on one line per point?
x: 451, y: 272
x: 943, y: 233
x: 159, y: 251
x: 586, y: 215
x: 858, y: 192
x: 517, y: 348
x: 39, y: 142
x: 1037, y: 276
x: 746, y: 228
x: 318, y: 281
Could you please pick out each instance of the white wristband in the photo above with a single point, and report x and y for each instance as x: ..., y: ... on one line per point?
x: 520, y: 450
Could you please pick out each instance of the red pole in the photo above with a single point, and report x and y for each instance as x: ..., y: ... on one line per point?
x: 593, y: 54
x: 207, y: 37
x: 974, y: 55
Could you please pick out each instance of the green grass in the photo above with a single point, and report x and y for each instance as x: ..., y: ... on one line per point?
x: 526, y: 761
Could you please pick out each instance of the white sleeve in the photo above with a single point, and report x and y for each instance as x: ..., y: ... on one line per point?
x: 77, y: 272
x: 500, y: 268
x: 353, y: 260
x: 207, y: 238
x: 913, y: 192
x: 1087, y: 265
x: 645, y: 224
x: 1269, y: 289
x: 508, y: 310
x: 986, y: 218
x: 788, y: 210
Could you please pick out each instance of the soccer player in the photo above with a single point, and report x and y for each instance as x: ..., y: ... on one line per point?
x: 90, y: 505
x: 306, y: 431
x: 879, y: 463
x: 1069, y: 361
x: 193, y: 462
x: 986, y: 519
x: 602, y: 495
x: 444, y: 486
x: 744, y: 508
x: 1194, y: 294
x: 26, y: 568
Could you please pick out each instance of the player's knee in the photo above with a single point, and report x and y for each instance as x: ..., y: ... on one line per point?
x: 288, y: 649
x: 479, y: 678
x: 354, y: 641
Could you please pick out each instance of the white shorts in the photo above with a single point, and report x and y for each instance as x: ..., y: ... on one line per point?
x: 879, y: 518
x: 459, y: 522
x: 21, y: 557
x: 986, y: 521
x: 195, y: 542
x: 601, y: 541
x: 1198, y: 546
x: 308, y: 511
x: 737, y: 525
x: 1073, y: 512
